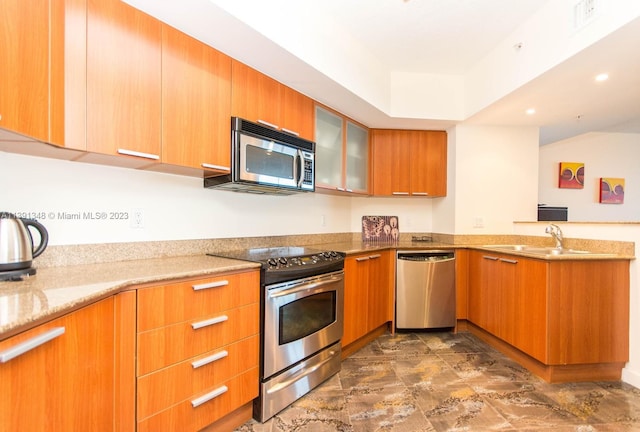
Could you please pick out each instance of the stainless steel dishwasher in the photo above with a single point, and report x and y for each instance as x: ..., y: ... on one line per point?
x: 425, y: 289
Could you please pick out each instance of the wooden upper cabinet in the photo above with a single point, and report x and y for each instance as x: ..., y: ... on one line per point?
x: 409, y: 163
x: 296, y: 112
x: 123, y: 80
x: 254, y: 96
x: 259, y: 98
x: 24, y: 87
x: 429, y: 164
x: 42, y: 63
x: 65, y: 383
x: 196, y: 103
x: 391, y: 162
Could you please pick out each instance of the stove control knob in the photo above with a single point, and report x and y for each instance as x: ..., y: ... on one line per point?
x: 272, y: 262
x: 282, y: 260
x: 334, y: 254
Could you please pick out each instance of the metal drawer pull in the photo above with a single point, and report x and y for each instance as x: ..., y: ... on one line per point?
x: 509, y: 261
x: 30, y: 344
x: 215, y: 284
x: 205, y: 323
x: 217, y: 356
x: 216, y: 167
x: 375, y: 256
x: 362, y: 259
x: 138, y: 154
x: 492, y: 258
x: 211, y: 395
x: 400, y: 193
x: 420, y: 193
x: 290, y: 131
x: 266, y: 123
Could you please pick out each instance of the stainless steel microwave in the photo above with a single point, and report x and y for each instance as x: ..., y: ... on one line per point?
x: 267, y: 161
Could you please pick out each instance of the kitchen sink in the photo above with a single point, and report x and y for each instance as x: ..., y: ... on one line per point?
x: 537, y: 250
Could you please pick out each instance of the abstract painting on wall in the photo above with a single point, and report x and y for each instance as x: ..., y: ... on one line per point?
x: 611, y: 190
x: 571, y: 175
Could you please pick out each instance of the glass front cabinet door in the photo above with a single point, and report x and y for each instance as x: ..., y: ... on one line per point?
x: 342, y: 153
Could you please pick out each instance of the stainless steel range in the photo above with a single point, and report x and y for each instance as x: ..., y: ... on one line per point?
x: 302, y: 322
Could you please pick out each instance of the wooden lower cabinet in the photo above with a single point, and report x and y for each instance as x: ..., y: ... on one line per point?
x: 570, y: 316
x: 368, y: 297
x: 197, y: 351
x: 66, y: 383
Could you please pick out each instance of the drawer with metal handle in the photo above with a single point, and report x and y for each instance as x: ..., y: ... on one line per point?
x: 204, y: 408
x: 194, y: 376
x: 168, y: 345
x: 164, y: 305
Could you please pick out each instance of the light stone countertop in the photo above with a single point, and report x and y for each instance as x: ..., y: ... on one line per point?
x: 54, y: 291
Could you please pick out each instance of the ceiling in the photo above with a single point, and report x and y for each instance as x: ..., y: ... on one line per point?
x: 438, y: 37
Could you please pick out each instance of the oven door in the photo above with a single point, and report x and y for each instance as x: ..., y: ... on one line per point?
x: 268, y: 162
x: 301, y: 318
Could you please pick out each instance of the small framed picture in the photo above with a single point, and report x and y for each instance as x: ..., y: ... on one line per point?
x: 611, y: 190
x: 571, y: 175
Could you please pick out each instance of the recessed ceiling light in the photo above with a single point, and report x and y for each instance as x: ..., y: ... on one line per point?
x: 530, y: 111
x: 602, y: 77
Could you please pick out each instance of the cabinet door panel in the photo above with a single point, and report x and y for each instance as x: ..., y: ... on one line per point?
x: 356, y: 298
x: 528, y: 320
x: 428, y: 164
x: 328, y: 137
x: 254, y: 96
x: 357, y: 159
x: 391, y: 153
x: 24, y: 68
x: 589, y: 312
x: 196, y: 102
x: 380, y: 308
x: 123, y: 79
x: 296, y: 112
x: 67, y: 383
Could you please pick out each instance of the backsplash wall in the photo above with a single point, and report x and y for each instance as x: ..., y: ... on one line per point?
x: 81, y: 203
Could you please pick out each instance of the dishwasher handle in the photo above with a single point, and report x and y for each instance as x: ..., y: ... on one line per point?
x: 435, y: 256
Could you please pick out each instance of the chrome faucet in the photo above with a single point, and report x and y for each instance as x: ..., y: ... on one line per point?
x: 556, y: 233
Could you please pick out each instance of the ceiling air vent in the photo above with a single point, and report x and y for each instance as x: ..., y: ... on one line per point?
x: 584, y: 11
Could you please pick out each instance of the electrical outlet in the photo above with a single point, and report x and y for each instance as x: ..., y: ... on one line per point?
x: 137, y: 219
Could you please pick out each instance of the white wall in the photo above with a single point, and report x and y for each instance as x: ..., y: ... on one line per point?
x: 604, y: 155
x: 175, y: 207
x: 495, y: 178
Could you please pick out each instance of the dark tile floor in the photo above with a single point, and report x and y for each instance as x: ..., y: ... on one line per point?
x: 451, y: 382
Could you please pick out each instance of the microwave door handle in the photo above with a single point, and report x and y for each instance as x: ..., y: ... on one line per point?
x: 300, y: 166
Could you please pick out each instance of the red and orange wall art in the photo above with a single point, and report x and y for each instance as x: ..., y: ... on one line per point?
x: 571, y: 175
x: 611, y: 190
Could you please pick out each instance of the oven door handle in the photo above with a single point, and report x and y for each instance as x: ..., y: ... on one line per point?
x: 306, y: 287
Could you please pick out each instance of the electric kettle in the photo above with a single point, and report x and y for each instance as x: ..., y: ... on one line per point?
x: 16, y: 244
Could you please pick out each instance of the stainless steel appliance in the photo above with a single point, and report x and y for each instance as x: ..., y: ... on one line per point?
x: 302, y: 322
x: 425, y: 289
x: 267, y: 161
x: 16, y: 245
